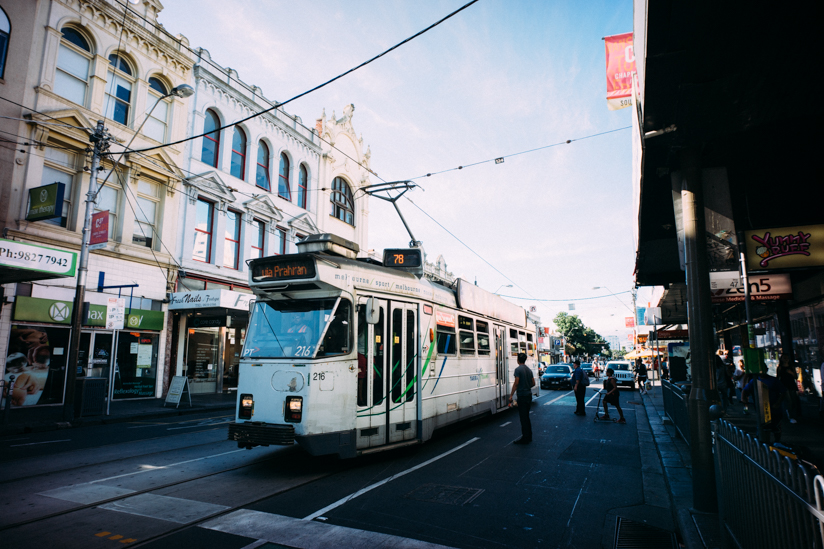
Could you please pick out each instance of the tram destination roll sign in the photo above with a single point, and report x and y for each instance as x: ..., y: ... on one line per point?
x: 46, y: 202
x: 273, y: 269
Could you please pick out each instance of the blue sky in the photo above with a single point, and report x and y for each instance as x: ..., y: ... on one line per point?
x: 501, y: 77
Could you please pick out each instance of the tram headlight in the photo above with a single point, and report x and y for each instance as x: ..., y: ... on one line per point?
x: 247, y: 407
x: 294, y: 409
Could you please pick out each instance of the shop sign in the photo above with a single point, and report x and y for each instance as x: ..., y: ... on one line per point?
x: 46, y: 202
x: 209, y: 321
x: 629, y: 322
x: 205, y: 299
x: 34, y: 309
x: 727, y: 287
x: 673, y: 334
x: 785, y: 248
x: 31, y: 257
x: 620, y: 70
x: 642, y: 338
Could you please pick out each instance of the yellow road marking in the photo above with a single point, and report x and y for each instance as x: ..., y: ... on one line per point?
x: 118, y: 536
x: 127, y: 540
x: 102, y: 534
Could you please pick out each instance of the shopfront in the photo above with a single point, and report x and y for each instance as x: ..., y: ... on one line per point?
x: 211, y: 331
x: 39, y: 348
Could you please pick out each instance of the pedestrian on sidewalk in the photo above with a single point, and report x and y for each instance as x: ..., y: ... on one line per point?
x: 738, y: 378
x: 524, y: 381
x: 664, y: 368
x: 580, y: 389
x: 641, y: 375
x: 777, y: 393
x: 721, y: 382
x: 788, y: 377
x: 612, y: 396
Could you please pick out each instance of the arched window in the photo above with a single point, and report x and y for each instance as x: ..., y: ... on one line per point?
x: 5, y: 32
x: 284, y: 190
x: 211, y: 142
x: 262, y: 177
x: 156, y: 125
x: 302, y: 186
x: 71, y: 80
x: 343, y: 206
x: 238, y: 168
x: 119, y: 90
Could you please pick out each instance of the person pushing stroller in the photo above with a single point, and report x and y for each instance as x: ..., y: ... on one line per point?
x: 612, y: 396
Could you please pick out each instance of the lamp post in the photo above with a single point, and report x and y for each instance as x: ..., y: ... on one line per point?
x: 502, y: 286
x: 101, y: 139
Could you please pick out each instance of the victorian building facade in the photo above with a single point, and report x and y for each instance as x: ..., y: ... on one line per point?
x: 71, y: 63
x: 251, y: 190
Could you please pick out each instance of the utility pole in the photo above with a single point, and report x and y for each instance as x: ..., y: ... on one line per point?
x: 101, y: 143
x: 634, y: 319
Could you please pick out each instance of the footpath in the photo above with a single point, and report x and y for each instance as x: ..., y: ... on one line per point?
x: 702, y: 530
x: 49, y: 418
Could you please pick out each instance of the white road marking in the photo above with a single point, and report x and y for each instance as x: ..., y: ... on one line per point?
x: 33, y: 443
x: 505, y: 424
x: 576, y: 504
x: 198, y: 425
x: 557, y: 398
x: 153, y: 468
x: 593, y: 398
x: 384, y: 481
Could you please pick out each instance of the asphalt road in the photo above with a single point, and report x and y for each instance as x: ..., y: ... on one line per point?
x: 180, y: 483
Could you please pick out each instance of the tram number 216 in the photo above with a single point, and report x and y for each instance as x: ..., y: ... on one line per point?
x: 318, y: 376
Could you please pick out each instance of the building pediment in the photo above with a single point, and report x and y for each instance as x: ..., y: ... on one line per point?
x: 304, y: 224
x: 209, y: 184
x: 69, y: 123
x: 262, y: 206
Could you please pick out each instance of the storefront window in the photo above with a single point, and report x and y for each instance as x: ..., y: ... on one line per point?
x: 202, y: 350
x: 233, y: 346
x: 136, y: 365
x: 37, y: 360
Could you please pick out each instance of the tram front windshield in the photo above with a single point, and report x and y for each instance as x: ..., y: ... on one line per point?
x: 305, y: 328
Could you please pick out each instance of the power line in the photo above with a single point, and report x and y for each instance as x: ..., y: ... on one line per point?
x: 567, y: 142
x: 320, y: 85
x: 565, y: 300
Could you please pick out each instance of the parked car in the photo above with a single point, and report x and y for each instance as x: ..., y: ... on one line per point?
x: 557, y: 376
x: 587, y: 368
x: 624, y: 374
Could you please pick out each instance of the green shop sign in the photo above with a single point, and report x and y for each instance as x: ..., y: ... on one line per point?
x: 34, y: 309
x: 46, y: 202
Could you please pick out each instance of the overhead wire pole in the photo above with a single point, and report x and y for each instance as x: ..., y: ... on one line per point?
x: 101, y: 144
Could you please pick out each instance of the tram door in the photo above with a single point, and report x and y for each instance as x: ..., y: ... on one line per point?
x: 500, y: 367
x: 387, y: 366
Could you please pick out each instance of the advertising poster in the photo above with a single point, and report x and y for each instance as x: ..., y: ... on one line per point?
x: 37, y: 360
x: 620, y: 70
x: 100, y: 230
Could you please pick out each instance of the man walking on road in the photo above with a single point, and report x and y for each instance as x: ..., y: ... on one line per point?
x: 580, y: 389
x: 524, y: 381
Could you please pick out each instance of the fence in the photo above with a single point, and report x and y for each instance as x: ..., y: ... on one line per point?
x: 675, y: 406
x: 766, y: 500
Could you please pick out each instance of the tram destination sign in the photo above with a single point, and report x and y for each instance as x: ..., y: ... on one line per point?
x: 275, y: 269
x: 404, y: 259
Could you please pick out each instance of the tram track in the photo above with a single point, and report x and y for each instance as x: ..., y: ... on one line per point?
x: 112, y: 461
x: 82, y: 507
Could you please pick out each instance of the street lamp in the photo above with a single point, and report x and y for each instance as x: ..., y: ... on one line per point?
x: 502, y: 286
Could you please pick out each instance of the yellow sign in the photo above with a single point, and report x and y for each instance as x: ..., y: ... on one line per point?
x: 785, y: 248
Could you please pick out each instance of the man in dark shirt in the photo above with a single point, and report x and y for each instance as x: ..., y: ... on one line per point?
x: 777, y: 392
x: 579, y: 388
x: 524, y: 381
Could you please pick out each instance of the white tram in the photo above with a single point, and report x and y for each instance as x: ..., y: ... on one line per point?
x: 346, y: 356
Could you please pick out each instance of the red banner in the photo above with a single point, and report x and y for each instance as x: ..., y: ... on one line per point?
x: 620, y: 70
x: 100, y: 229
x: 629, y: 322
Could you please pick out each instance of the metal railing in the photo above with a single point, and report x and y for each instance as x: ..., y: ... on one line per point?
x: 675, y: 406
x: 766, y: 500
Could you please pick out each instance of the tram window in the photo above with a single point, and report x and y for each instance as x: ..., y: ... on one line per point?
x: 530, y: 348
x: 446, y: 340
x: 363, y: 332
x: 338, y: 336
x: 483, y: 327
x: 411, y: 355
x: 396, y: 364
x: 513, y: 334
x: 465, y: 323
x: 467, y: 343
x: 483, y: 338
x: 529, y: 337
x: 377, y: 364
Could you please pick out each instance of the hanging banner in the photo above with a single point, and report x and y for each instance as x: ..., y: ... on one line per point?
x: 46, y: 202
x: 99, y: 236
x: 620, y: 70
x: 629, y: 322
